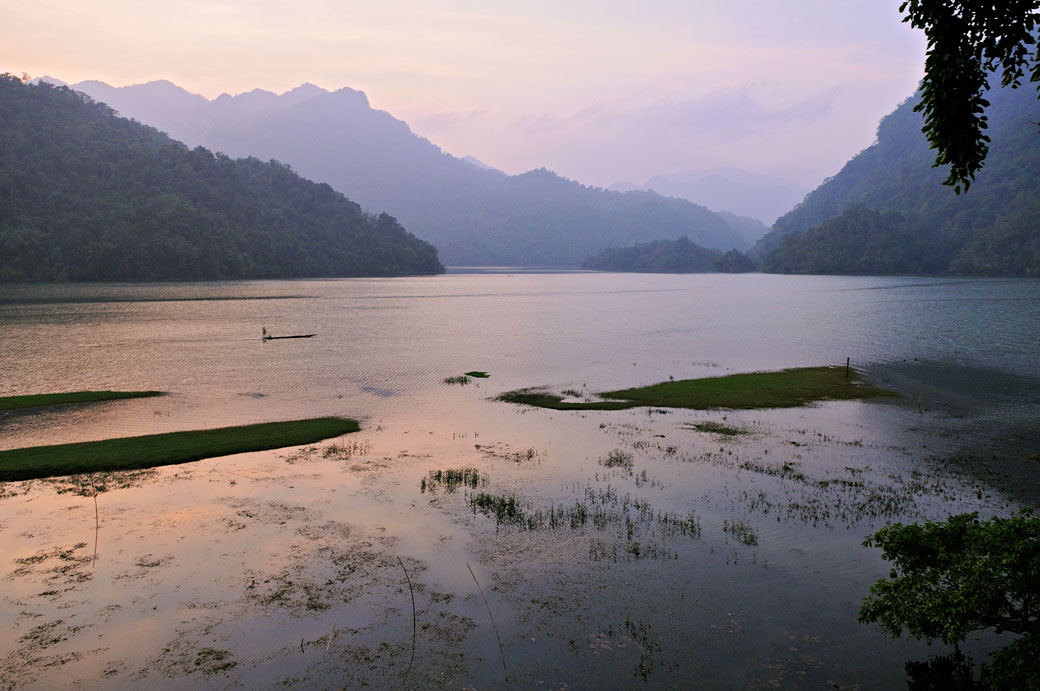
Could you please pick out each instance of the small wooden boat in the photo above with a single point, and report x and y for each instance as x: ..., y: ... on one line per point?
x: 275, y: 338
x: 264, y: 336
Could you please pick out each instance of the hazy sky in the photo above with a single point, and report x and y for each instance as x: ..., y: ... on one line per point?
x: 598, y: 91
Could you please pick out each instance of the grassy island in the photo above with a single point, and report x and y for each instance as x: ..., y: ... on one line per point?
x: 131, y: 453
x: 787, y: 388
x: 41, y: 400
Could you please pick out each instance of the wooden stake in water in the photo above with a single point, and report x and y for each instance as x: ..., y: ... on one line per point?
x: 330, y: 636
x: 97, y: 521
x: 919, y: 397
x: 414, y: 618
x: 491, y: 616
x: 846, y: 368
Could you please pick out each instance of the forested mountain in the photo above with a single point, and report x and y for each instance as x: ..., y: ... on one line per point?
x: 668, y: 256
x: 86, y: 195
x: 887, y: 211
x: 473, y: 215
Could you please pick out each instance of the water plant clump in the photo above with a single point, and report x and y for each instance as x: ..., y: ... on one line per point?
x: 851, y: 497
x: 618, y: 459
x: 460, y: 379
x: 451, y: 479
x: 718, y: 428
x: 742, y: 531
x: 347, y: 449
x: 505, y: 508
x: 506, y: 453
x: 628, y: 518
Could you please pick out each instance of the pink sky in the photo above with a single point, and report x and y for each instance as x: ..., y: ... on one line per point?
x: 598, y: 91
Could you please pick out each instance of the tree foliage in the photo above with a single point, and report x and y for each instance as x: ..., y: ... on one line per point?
x: 86, y: 195
x: 668, y: 256
x: 967, y: 41
x: 951, y: 578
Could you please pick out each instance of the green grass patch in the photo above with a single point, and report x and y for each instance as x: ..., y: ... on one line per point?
x: 131, y: 453
x: 477, y: 374
x: 789, y: 388
x: 46, y: 399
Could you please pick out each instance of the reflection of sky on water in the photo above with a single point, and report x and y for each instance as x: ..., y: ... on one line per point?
x: 213, y: 528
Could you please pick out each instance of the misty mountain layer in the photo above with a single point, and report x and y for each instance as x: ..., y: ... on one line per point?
x: 887, y: 211
x: 88, y: 196
x: 474, y: 215
x: 755, y: 197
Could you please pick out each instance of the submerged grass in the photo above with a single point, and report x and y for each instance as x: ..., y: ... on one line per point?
x: 41, y: 400
x: 451, y: 479
x: 742, y: 531
x: 544, y: 399
x: 618, y: 459
x: 130, y: 453
x: 718, y: 428
x: 787, y: 388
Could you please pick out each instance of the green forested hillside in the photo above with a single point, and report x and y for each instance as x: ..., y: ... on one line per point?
x: 668, y: 256
x: 887, y: 211
x: 88, y: 196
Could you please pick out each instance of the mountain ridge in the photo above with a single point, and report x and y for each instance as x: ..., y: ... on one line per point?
x: 474, y: 216
x: 727, y: 189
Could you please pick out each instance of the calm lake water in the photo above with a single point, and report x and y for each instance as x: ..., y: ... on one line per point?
x: 283, y: 566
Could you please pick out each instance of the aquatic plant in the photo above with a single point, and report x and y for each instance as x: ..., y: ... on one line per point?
x: 460, y: 379
x: 477, y: 374
x: 347, y: 449
x: 718, y: 428
x: 452, y: 479
x: 741, y: 530
x: 618, y: 459
x: 505, y: 508
x: 630, y: 518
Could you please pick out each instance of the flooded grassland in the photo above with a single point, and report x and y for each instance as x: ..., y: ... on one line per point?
x: 668, y: 548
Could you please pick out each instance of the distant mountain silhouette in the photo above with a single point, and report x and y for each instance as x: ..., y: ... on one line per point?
x: 888, y: 212
x: 727, y: 189
x: 473, y: 215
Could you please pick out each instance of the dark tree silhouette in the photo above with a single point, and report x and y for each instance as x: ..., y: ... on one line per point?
x: 967, y: 41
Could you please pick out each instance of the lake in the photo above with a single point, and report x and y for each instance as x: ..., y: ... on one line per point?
x: 705, y: 560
